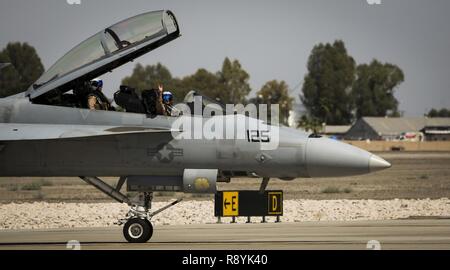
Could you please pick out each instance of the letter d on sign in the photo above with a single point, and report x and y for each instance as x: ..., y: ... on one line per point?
x: 274, y: 203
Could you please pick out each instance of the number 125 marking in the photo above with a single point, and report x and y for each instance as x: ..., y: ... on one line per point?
x: 258, y: 136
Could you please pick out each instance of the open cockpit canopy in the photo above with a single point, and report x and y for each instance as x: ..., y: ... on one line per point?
x: 106, y: 50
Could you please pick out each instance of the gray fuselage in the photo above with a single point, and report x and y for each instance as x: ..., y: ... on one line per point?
x: 158, y: 153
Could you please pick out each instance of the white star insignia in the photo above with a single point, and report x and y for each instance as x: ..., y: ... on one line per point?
x: 165, y: 153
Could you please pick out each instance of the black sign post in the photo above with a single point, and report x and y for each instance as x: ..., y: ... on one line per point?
x: 248, y: 203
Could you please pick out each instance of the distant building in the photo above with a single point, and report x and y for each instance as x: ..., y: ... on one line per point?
x: 436, y: 133
x: 337, y: 132
x: 400, y: 128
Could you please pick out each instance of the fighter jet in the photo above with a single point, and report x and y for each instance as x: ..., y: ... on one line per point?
x: 47, y: 132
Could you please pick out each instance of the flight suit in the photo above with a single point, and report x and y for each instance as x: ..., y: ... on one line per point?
x: 95, y: 102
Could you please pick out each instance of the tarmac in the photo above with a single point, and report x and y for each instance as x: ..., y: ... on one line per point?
x: 423, y: 233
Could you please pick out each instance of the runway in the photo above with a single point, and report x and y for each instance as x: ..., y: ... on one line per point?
x: 392, y: 234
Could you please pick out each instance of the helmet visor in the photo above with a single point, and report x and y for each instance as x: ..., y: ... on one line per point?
x: 98, y: 83
x: 167, y: 97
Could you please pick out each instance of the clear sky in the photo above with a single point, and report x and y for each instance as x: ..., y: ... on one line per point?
x: 271, y: 39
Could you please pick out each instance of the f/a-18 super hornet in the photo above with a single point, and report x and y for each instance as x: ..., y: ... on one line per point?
x: 47, y: 131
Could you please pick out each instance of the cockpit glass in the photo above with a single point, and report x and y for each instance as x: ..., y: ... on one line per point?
x: 139, y: 27
x: 125, y: 33
x: 109, y: 44
x: 87, y: 51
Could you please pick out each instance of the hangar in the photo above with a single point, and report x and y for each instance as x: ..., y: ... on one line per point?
x: 395, y: 128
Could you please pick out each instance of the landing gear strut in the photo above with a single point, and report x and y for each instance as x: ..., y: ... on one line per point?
x: 137, y: 226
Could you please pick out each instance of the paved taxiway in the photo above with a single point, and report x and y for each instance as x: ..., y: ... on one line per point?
x: 391, y: 234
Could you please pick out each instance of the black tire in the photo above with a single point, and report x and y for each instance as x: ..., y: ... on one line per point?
x: 137, y: 230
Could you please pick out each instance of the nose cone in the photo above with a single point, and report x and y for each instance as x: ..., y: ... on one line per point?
x: 331, y: 158
x: 377, y: 164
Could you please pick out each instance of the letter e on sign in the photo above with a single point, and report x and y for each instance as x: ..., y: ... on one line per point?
x: 230, y: 203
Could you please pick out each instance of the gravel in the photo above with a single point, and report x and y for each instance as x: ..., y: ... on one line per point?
x: 43, y: 215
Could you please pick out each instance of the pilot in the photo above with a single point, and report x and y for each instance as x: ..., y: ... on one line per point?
x: 96, y: 100
x: 167, y: 98
x: 165, y: 102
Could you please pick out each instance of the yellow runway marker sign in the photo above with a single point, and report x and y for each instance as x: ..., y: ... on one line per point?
x: 275, y: 203
x: 248, y: 203
x: 230, y: 203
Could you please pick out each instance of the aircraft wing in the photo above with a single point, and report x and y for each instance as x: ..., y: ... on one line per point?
x: 17, y: 132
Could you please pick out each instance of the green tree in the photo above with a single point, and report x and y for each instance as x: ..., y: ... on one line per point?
x: 444, y: 113
x: 432, y: 113
x: 310, y: 124
x: 148, y: 77
x: 26, y: 67
x: 374, y: 87
x: 327, y: 85
x: 202, y: 81
x: 439, y: 113
x: 234, y: 83
x: 274, y: 92
x: 230, y: 85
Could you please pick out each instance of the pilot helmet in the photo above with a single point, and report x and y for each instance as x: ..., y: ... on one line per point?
x: 167, y: 96
x: 96, y: 84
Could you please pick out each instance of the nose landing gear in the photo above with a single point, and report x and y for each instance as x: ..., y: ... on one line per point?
x: 137, y: 226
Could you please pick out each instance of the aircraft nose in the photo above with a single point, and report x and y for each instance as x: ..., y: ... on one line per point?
x: 330, y: 158
x: 376, y: 163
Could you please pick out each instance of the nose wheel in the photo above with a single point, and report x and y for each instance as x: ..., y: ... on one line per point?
x: 137, y: 227
x: 137, y: 230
